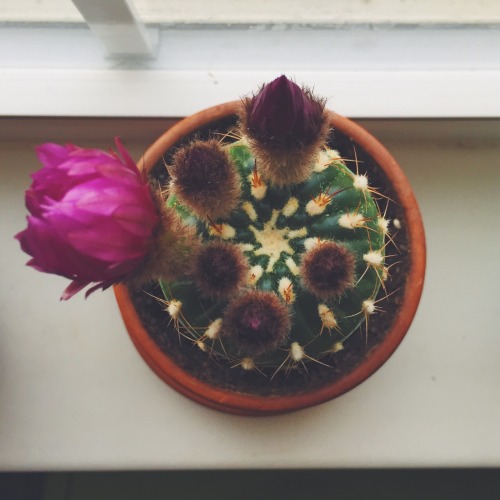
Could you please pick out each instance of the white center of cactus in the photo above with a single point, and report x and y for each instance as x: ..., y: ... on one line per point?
x: 273, y: 241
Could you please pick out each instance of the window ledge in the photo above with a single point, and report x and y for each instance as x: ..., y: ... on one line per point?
x: 365, y: 71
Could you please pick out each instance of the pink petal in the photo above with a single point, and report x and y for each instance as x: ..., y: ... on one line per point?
x: 113, y: 246
x: 51, y: 155
x: 73, y: 288
x: 129, y: 162
x: 136, y: 219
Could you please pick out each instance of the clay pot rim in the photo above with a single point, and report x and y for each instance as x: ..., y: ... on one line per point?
x: 244, y: 404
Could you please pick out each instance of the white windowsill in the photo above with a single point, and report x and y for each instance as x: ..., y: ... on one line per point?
x: 365, y: 71
x: 77, y: 396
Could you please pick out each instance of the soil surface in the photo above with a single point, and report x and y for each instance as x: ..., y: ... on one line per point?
x: 359, y: 345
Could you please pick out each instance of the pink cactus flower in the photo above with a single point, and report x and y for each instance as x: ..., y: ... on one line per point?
x: 92, y: 218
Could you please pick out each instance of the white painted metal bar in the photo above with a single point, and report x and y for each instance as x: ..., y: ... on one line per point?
x: 118, y: 27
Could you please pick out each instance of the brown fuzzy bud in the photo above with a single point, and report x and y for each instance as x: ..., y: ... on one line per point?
x: 286, y: 127
x: 256, y: 322
x: 171, y: 254
x: 219, y: 269
x: 205, y: 180
x: 328, y: 269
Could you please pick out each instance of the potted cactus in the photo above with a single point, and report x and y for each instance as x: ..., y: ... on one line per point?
x: 257, y: 267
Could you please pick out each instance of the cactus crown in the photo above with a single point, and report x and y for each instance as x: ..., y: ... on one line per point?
x: 288, y: 251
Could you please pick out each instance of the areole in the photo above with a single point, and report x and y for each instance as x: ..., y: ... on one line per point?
x: 251, y: 404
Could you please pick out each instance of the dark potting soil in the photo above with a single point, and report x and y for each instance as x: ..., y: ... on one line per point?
x: 219, y: 373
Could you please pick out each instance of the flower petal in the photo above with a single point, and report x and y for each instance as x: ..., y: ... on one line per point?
x: 73, y: 288
x: 51, y: 155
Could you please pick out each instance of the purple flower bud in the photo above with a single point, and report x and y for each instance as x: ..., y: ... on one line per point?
x: 92, y: 216
x: 282, y: 115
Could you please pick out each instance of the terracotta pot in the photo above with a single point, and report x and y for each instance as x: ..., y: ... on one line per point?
x: 251, y: 404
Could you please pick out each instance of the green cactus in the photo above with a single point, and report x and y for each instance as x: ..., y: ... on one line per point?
x: 301, y: 262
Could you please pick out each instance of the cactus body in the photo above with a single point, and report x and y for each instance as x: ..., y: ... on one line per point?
x: 276, y: 227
